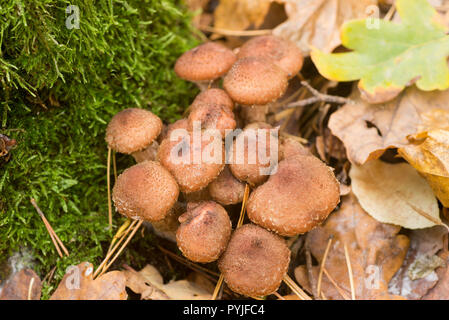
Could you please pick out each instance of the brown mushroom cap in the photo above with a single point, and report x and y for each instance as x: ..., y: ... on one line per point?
x: 255, y: 80
x: 290, y: 147
x: 250, y: 168
x: 227, y: 189
x: 284, y: 53
x: 297, y: 198
x: 179, y: 124
x: 213, y: 96
x: 255, y: 261
x: 204, y: 232
x: 212, y: 116
x: 132, y: 130
x: 208, y: 61
x: 192, y: 175
x: 145, y: 191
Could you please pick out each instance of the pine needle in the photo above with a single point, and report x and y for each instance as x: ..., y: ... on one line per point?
x: 351, y: 276
x: 323, y: 262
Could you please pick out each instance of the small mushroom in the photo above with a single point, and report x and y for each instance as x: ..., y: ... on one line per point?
x: 145, y: 191
x: 297, y: 198
x: 284, y: 53
x: 193, y: 161
x: 255, y: 261
x: 205, y: 63
x: 255, y: 81
x: 227, y: 189
x: 290, y: 147
x: 212, y: 116
x: 252, y: 155
x: 179, y: 124
x: 204, y: 232
x: 132, y: 131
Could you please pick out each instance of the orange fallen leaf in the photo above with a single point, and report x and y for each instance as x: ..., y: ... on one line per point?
x: 23, y: 285
x: 375, y: 249
x: 78, y: 284
x: 240, y: 14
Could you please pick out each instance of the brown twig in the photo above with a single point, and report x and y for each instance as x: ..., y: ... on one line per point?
x: 54, y: 237
x: 317, y: 97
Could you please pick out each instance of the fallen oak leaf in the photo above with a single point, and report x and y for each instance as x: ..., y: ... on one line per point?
x: 430, y: 157
x: 317, y: 22
x: 23, y: 285
x: 376, y: 252
x: 391, y: 56
x: 368, y: 130
x: 149, y: 283
x: 395, y: 194
x: 78, y: 284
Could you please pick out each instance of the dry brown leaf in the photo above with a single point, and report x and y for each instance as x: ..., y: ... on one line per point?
x: 430, y: 155
x: 423, y: 243
x: 78, y: 284
x: 240, y: 14
x: 368, y: 130
x: 396, y: 194
x: 376, y: 252
x: 317, y: 22
x: 149, y: 284
x: 23, y: 285
x: 441, y: 289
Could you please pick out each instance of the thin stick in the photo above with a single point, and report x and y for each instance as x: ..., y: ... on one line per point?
x: 108, y: 178
x: 114, y: 165
x: 236, y: 33
x: 295, y: 288
x: 278, y: 296
x: 120, y: 233
x: 54, y: 237
x: 351, y: 277
x: 122, y: 247
x: 340, y: 290
x: 239, y: 224
x: 318, y: 97
x: 217, y: 287
x: 323, y: 262
x: 111, y: 252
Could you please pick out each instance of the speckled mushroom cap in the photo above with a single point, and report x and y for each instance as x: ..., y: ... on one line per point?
x: 227, y: 189
x: 204, y: 232
x: 297, y: 198
x: 212, y: 117
x: 213, y: 96
x: 186, y: 160
x: 255, y: 80
x: 132, y: 130
x: 179, y: 124
x: 251, y: 167
x: 255, y: 261
x: 290, y: 147
x: 284, y: 53
x: 145, y: 191
x: 208, y: 61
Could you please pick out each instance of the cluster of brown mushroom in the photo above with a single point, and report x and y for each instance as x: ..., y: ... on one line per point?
x: 299, y: 194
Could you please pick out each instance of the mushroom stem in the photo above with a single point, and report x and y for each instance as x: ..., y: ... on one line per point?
x: 147, y: 154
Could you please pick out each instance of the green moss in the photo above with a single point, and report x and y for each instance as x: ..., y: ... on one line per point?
x: 59, y: 88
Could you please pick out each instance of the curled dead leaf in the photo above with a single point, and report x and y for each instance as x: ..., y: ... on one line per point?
x: 396, y: 194
x: 23, y: 285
